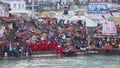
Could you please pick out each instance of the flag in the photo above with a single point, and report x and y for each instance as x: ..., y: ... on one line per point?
x: 111, y: 13
x: 103, y: 16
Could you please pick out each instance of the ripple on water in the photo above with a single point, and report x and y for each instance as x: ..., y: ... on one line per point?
x: 90, y: 61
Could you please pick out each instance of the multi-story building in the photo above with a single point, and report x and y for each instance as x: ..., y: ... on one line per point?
x: 42, y: 5
x: 80, y: 2
x: 37, y: 5
x: 104, y: 1
x: 5, y: 17
x: 84, y: 2
x: 4, y: 8
x: 100, y: 1
x: 119, y: 2
x: 17, y: 6
x: 112, y: 4
x: 29, y: 4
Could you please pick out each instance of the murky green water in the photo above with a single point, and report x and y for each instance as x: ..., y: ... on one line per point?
x: 86, y: 61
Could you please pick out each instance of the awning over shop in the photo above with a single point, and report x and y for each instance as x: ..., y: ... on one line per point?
x: 8, y: 19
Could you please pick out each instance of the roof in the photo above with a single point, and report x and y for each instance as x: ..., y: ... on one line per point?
x: 8, y: 19
x: 3, y: 2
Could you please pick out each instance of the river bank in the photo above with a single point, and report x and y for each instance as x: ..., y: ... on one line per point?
x: 80, y: 61
x: 48, y: 54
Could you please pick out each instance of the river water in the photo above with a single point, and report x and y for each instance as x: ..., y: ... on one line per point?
x: 81, y: 61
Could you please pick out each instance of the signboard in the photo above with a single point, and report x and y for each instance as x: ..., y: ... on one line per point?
x: 97, y: 8
x: 3, y: 13
x: 80, y: 12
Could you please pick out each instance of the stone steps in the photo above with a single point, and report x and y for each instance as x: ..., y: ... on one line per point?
x: 44, y: 52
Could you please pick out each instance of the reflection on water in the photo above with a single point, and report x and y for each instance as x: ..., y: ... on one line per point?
x: 88, y: 61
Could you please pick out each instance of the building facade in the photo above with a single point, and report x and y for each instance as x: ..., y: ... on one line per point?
x: 17, y: 6
x: 4, y: 9
x: 84, y: 2
x: 44, y: 5
x: 103, y: 1
x: 112, y: 4
x: 29, y: 4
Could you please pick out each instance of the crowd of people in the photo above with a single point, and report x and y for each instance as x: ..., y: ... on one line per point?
x: 28, y: 36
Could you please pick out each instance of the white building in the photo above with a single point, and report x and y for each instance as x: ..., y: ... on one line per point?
x: 3, y: 10
x: 17, y: 7
x: 62, y: 1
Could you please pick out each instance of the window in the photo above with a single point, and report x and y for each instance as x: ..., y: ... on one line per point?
x: 98, y: 0
x: 35, y: 0
x: 105, y: 0
x: 30, y: 0
x: 109, y: 0
x: 22, y: 5
x: 116, y: 0
x: 14, y: 5
x: 19, y: 5
x: 92, y: 0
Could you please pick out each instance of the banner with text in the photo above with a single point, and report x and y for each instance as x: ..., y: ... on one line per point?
x: 97, y: 8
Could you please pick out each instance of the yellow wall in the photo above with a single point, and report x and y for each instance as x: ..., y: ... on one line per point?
x: 117, y: 20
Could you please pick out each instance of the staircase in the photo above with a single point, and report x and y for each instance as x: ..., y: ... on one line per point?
x: 44, y: 52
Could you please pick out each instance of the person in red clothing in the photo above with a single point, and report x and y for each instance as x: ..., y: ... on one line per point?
x: 52, y: 45
x: 33, y: 47
x: 29, y: 46
x: 38, y: 46
x: 49, y: 22
x: 46, y: 44
x: 84, y: 30
x: 43, y: 45
x: 59, y: 49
